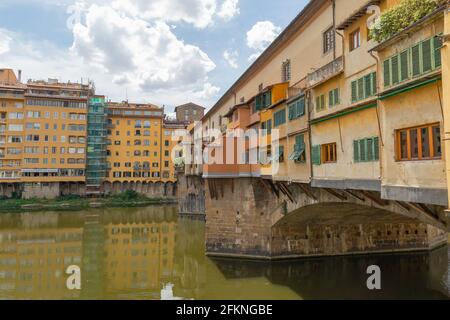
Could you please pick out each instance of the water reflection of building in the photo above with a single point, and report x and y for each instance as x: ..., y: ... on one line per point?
x: 33, y: 261
x: 139, y: 257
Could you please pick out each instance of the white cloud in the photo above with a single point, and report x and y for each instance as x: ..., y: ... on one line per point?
x: 5, y: 40
x: 229, y: 9
x: 200, y: 13
x: 136, y: 53
x: 260, y: 36
x: 231, y: 57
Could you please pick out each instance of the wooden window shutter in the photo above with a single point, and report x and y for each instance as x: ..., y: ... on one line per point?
x: 395, y: 70
x: 317, y: 104
x: 370, y: 155
x: 356, y: 151
x: 374, y: 83
x: 354, y: 92
x: 322, y: 102
x: 387, y: 73
x: 415, y: 57
x: 331, y: 98
x: 404, y: 65
x: 361, y: 89
x: 437, y: 45
x: 426, y: 56
x: 315, y: 155
x: 362, y: 150
x: 376, y: 148
x: 367, y: 86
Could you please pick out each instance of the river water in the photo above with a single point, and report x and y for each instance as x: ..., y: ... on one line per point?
x: 150, y: 253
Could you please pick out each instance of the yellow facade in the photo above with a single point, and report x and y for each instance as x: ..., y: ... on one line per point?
x: 349, y: 131
x: 12, y: 102
x: 55, y: 132
x: 134, y: 142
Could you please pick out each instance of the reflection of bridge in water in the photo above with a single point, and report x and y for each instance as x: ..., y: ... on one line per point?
x: 148, y: 253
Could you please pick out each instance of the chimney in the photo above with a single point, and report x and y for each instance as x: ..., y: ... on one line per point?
x: 20, y: 76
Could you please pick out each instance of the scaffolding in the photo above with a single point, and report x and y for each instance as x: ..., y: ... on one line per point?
x: 96, y: 167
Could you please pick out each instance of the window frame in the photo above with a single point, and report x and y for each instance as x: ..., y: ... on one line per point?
x: 325, y: 150
x: 328, y: 40
x: 352, y: 45
x: 398, y: 144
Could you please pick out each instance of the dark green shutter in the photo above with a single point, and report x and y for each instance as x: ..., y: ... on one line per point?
x: 374, y: 83
x: 367, y: 86
x: 291, y: 111
x: 361, y: 89
x: 315, y: 155
x: 376, y: 148
x: 331, y: 98
x: 302, y: 106
x: 426, y: 56
x: 387, y: 73
x: 337, y: 96
x: 370, y: 155
x: 404, y: 66
x: 415, y: 56
x: 354, y: 92
x: 437, y: 45
x: 395, y: 69
x: 322, y: 102
x: 317, y: 104
x: 362, y: 150
x: 356, y: 150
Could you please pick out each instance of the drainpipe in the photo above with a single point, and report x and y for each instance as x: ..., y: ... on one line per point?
x: 446, y: 99
x: 378, y: 108
x: 334, y: 26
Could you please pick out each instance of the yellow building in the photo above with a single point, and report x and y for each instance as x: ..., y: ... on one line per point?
x: 134, y: 142
x: 12, y: 102
x: 139, y: 257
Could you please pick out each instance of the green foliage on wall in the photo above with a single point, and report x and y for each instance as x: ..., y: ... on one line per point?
x: 401, y: 16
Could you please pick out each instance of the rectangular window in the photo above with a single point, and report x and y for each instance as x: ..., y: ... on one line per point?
x: 415, y: 61
x: 279, y: 118
x: 364, y: 88
x: 329, y: 153
x: 334, y: 97
x: 297, y: 109
x: 286, y: 71
x: 366, y: 150
x: 299, y: 154
x: 355, y: 40
x: 320, y: 103
x: 419, y: 143
x: 329, y: 39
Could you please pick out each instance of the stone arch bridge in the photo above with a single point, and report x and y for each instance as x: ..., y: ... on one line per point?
x: 258, y: 218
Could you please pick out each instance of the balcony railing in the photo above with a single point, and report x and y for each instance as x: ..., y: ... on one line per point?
x: 326, y: 72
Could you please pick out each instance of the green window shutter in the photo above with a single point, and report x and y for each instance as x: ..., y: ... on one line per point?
x: 258, y: 102
x: 317, y: 104
x: 361, y: 89
x: 415, y: 57
x: 437, y: 45
x: 337, y: 96
x: 374, y: 83
x: 376, y: 148
x: 404, y: 65
x: 300, y: 140
x: 367, y: 86
x: 362, y: 150
x: 356, y: 151
x: 370, y: 155
x: 387, y: 73
x: 426, y: 56
x: 315, y: 155
x: 331, y: 98
x: 395, y: 69
x: 302, y: 103
x: 291, y: 111
x: 354, y: 92
x: 322, y: 102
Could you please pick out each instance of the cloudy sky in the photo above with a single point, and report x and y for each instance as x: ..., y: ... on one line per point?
x: 167, y: 52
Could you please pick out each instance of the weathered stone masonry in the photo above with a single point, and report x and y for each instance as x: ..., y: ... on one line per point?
x: 256, y: 218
